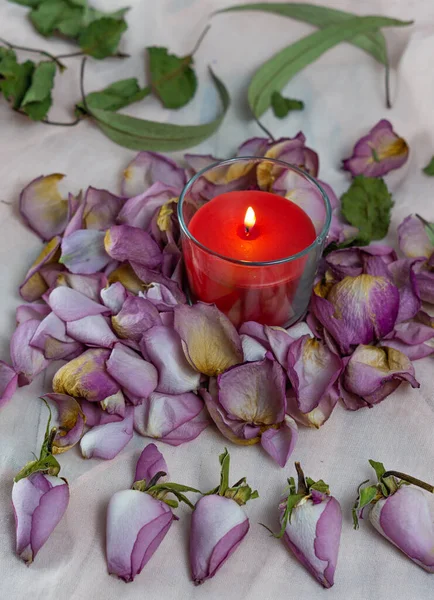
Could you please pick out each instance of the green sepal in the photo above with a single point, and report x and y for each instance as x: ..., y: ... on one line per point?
x: 429, y: 228
x: 161, y: 490
x: 241, y: 492
x: 378, y: 468
x: 429, y: 169
x: 365, y: 496
x: 225, y: 461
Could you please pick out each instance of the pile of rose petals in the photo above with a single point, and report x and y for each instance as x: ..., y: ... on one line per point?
x: 105, y: 297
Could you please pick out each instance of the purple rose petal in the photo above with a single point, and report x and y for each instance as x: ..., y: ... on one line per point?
x: 137, y: 376
x: 150, y: 462
x: 280, y: 443
x: 26, y: 360
x: 70, y: 419
x: 123, y: 242
x: 42, y: 206
x: 83, y: 251
x: 34, y: 285
x: 70, y: 305
x: 114, y: 297
x: 8, y: 383
x: 139, y: 210
x: 101, y: 209
x: 147, y: 169
x: 106, y: 441
x: 136, y: 316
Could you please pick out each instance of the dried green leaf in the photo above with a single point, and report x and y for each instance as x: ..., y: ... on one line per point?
x: 15, y: 78
x: 378, y: 468
x: 172, y: 77
x: 429, y: 169
x: 282, y: 106
x: 373, y: 42
x: 101, y: 38
x: 140, y: 134
x: 277, y: 72
x: 42, y: 83
x: 30, y: 3
x: 367, y: 205
x: 46, y: 16
x: 365, y: 497
x: 115, y: 96
x: 225, y: 461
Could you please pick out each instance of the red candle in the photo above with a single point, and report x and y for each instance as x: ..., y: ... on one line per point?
x: 256, y: 227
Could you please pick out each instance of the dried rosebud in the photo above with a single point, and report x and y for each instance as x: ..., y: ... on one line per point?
x: 39, y: 498
x: 139, y: 519
x: 311, y: 523
x: 218, y: 525
x: 400, y: 513
x: 377, y: 153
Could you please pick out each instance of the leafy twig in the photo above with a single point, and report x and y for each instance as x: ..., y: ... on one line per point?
x: 200, y: 40
x: 36, y: 51
x: 72, y: 54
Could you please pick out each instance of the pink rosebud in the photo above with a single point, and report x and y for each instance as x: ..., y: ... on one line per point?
x: 139, y: 519
x: 400, y: 513
x: 218, y: 525
x: 311, y: 522
x: 39, y: 498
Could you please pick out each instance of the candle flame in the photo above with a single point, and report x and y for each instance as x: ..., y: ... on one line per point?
x: 249, y: 219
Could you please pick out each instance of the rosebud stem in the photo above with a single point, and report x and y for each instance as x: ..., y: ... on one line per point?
x: 422, y: 484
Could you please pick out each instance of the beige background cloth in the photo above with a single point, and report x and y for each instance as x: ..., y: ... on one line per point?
x: 344, y: 97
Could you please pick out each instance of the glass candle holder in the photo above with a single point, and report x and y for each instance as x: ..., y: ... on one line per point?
x: 253, y: 271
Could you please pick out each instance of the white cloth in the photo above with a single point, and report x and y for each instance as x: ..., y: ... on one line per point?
x: 344, y: 97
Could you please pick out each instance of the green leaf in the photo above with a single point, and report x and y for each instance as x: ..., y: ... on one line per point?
x: 429, y: 169
x: 115, y: 96
x: 101, y: 38
x: 378, y: 468
x: 365, y: 497
x: 47, y: 15
x: 367, y: 205
x: 373, y: 42
x: 282, y: 106
x: 15, y: 78
x: 42, y: 83
x: 172, y: 77
x: 225, y: 461
x: 47, y: 465
x: 320, y: 486
x: 140, y: 134
x: 277, y: 72
x: 92, y: 14
x: 71, y: 21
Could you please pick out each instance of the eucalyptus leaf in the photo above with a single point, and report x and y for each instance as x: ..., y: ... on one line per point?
x: 140, y: 134
x: 373, y: 42
x: 277, y: 72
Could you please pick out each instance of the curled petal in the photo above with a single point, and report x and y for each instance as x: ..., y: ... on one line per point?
x: 317, y: 416
x: 357, y: 310
x: 312, y: 371
x: 254, y: 392
x: 52, y: 339
x: 373, y: 373
x: 26, y: 360
x: 150, y: 462
x: 353, y: 261
x: 160, y: 296
x: 8, y: 382
x: 252, y: 349
x: 39, y: 502
x: 101, y: 208
x: 280, y: 442
x: 210, y: 341
x: 88, y: 285
x: 164, y: 416
x: 136, y: 316
x: 114, y: 297
x: 70, y: 420
x: 25, y: 312
x: 127, y: 277
x: 378, y: 152
x: 405, y: 279
x: 77, y: 208
x: 137, y: 376
x: 292, y: 151
x: 83, y: 251
x: 147, y: 169
x: 253, y: 147
x: 106, y: 441
x: 34, y: 285
x: 151, y: 277
x: 162, y: 345
x: 413, y: 238
x: 139, y: 210
x: 95, y: 415
x: 70, y: 305
x: 197, y: 162
x: 136, y: 525
x: 86, y: 377
x: 123, y: 242
x: 280, y: 341
x: 414, y: 339
x: 218, y: 526
x: 42, y: 206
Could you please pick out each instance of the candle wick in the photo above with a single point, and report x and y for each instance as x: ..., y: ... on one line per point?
x: 247, y: 229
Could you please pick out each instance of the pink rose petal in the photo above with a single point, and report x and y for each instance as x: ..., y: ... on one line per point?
x: 137, y: 376
x: 70, y: 305
x: 106, y: 441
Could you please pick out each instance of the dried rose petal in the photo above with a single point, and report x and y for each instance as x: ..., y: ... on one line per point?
x: 378, y: 152
x: 136, y: 316
x: 70, y: 419
x: 123, y: 242
x: 42, y: 206
x: 101, y: 208
x: 139, y: 210
x: 106, y: 441
x: 8, y: 383
x: 34, y: 285
x: 137, y: 377
x: 83, y: 251
x: 27, y: 361
x: 146, y: 169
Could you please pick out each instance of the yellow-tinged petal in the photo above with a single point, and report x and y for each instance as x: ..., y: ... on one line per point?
x: 34, y: 284
x: 125, y: 275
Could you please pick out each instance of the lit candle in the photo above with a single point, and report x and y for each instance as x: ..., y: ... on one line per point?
x: 237, y: 232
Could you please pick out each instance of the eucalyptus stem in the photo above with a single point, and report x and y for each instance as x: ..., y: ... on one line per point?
x: 387, y: 84
x: 410, y: 479
x: 36, y: 51
x: 264, y: 129
x: 200, y: 40
x: 55, y: 123
x: 72, y: 54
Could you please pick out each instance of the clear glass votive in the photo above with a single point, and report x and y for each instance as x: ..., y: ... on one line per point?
x: 260, y: 272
